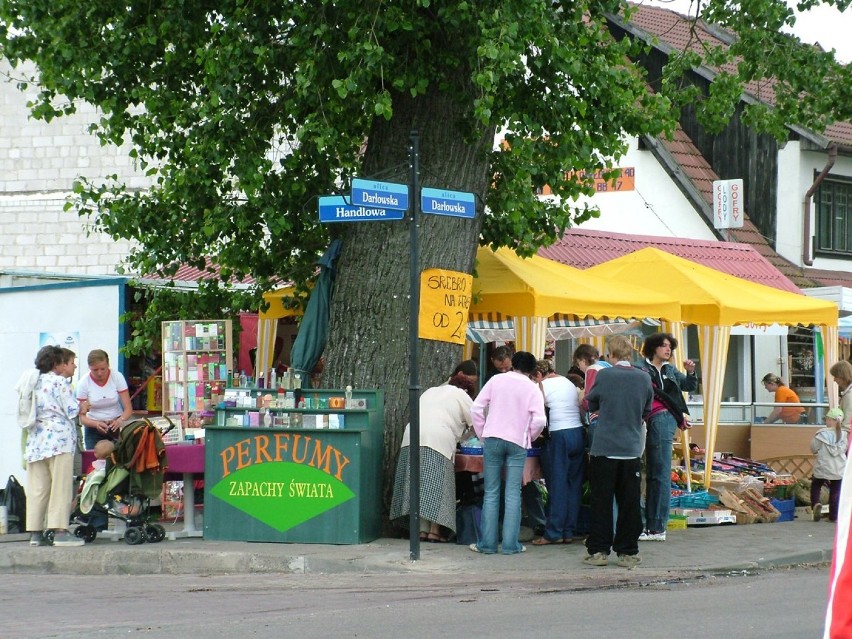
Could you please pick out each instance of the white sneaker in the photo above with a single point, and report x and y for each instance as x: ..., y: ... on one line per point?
x: 649, y: 536
x: 65, y: 538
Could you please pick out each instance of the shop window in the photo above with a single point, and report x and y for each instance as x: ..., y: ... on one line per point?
x: 834, y: 217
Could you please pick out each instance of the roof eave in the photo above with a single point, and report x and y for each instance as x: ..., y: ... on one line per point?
x: 709, y: 74
x: 686, y: 185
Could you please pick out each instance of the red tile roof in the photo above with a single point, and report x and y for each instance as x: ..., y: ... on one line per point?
x: 829, y: 278
x: 696, y: 169
x: 584, y: 248
x: 191, y: 274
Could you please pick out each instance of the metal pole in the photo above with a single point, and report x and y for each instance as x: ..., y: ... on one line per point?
x: 414, y: 373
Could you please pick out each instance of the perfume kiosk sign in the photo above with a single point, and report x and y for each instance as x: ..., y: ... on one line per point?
x: 306, y: 484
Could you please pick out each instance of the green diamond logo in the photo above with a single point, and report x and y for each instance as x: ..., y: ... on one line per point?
x: 282, y: 494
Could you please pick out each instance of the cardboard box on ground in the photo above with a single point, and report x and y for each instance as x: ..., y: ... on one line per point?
x: 748, y: 506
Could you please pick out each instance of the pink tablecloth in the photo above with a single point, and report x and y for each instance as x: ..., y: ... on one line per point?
x: 183, y: 458
x: 473, y: 464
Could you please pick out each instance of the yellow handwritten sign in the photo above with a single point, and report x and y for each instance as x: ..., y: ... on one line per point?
x: 444, y: 305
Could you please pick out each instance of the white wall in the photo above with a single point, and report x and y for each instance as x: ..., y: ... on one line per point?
x: 797, y: 170
x: 656, y: 206
x: 77, y: 307
x: 39, y: 163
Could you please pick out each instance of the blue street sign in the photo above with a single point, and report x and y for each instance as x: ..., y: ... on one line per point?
x: 333, y: 208
x: 386, y: 195
x: 441, y: 202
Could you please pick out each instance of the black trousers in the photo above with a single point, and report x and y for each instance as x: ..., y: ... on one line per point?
x: 617, y: 479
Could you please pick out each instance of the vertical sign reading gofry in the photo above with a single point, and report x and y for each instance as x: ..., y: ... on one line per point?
x: 444, y: 305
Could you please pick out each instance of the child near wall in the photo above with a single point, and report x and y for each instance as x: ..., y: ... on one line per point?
x: 829, y: 445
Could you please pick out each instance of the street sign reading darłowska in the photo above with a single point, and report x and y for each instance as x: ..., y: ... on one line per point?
x: 443, y: 202
x: 334, y: 208
x: 386, y: 195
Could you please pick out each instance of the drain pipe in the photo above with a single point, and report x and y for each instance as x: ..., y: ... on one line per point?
x: 807, y: 244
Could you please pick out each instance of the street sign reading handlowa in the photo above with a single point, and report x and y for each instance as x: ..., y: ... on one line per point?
x: 335, y: 208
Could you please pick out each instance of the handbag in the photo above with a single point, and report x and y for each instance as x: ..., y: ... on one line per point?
x: 15, y: 500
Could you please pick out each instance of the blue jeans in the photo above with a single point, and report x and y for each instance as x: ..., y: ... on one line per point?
x: 658, y: 470
x: 499, y: 453
x: 91, y: 437
x: 565, y: 452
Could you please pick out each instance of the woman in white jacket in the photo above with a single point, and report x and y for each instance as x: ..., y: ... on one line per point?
x: 829, y: 445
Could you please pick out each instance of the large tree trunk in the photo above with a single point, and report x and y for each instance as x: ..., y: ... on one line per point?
x: 368, y: 343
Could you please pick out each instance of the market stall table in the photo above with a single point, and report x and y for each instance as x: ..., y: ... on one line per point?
x: 473, y: 464
x: 185, y: 462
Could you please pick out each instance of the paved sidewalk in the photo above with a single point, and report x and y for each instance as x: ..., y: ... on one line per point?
x: 714, y: 549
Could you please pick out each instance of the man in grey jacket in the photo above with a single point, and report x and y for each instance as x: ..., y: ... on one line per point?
x: 622, y: 396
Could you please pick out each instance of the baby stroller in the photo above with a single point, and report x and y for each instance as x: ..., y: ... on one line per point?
x: 124, y: 489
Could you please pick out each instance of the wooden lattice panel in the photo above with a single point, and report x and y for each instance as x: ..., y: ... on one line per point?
x: 799, y: 466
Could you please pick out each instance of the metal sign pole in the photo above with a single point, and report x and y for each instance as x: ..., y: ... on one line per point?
x: 414, y: 373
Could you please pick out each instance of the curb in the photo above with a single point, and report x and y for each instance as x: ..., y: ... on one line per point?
x: 106, y: 559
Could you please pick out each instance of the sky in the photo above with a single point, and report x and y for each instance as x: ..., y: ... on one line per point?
x: 824, y: 24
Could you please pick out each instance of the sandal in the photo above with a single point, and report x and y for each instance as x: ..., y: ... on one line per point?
x: 544, y: 541
x: 435, y: 538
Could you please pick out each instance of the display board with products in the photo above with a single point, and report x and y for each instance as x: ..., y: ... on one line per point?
x: 308, y: 471
x: 197, y: 360
x: 802, y: 362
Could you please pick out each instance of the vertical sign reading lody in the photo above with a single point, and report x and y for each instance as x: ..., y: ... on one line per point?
x: 727, y: 204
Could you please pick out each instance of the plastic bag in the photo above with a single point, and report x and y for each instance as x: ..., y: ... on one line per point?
x: 15, y: 500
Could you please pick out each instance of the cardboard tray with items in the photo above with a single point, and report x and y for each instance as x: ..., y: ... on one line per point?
x: 742, y: 491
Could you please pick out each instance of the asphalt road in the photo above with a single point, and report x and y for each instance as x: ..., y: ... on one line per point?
x: 778, y: 604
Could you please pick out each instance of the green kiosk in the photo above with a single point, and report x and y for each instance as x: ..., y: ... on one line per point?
x: 310, y: 474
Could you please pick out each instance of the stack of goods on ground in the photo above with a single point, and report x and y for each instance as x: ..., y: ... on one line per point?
x: 741, y: 490
x: 698, y: 509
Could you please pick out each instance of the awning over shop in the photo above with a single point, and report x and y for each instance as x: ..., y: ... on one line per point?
x: 559, y: 327
x: 844, y: 327
x: 716, y: 301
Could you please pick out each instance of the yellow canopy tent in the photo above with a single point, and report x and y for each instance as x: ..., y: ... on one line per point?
x: 531, y: 290
x: 717, y: 301
x: 267, y: 325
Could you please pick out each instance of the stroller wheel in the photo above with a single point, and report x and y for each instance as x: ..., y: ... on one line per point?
x: 86, y: 532
x: 155, y: 533
x: 134, y: 536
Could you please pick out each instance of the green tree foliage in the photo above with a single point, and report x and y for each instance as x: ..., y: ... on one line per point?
x: 243, y: 112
